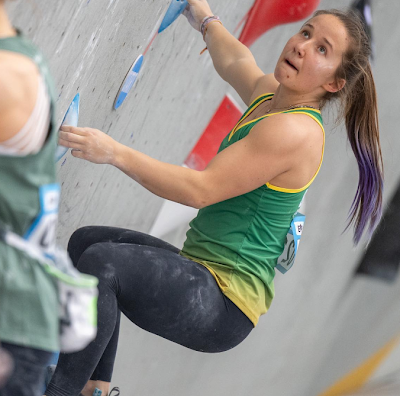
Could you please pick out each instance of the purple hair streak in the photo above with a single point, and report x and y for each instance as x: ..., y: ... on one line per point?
x: 366, y: 209
x: 360, y: 112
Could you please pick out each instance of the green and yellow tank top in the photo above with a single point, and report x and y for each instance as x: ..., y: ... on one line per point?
x: 240, y: 239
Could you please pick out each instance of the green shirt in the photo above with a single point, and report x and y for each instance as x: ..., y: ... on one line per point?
x: 240, y: 239
x: 28, y: 295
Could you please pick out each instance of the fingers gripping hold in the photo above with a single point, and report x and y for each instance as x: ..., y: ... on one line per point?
x: 77, y: 154
x: 88, y: 143
x: 196, y: 11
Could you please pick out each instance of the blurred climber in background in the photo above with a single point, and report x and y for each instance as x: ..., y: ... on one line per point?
x: 29, y: 317
x: 209, y: 295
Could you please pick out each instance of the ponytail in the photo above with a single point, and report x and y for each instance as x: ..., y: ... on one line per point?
x: 361, y: 120
x: 360, y: 113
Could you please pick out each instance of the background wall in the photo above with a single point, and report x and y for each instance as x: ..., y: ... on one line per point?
x: 324, y: 321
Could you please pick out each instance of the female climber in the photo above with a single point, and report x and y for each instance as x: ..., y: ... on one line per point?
x: 209, y: 295
x: 29, y: 317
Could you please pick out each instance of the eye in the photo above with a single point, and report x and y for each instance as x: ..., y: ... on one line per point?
x: 305, y: 34
x: 322, y: 50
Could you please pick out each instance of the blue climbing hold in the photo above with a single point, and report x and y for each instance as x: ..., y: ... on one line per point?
x: 175, y: 9
x: 71, y: 118
x: 129, y: 81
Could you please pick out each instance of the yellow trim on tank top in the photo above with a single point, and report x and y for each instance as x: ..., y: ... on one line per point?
x: 258, y: 97
x: 249, y: 111
x: 297, y: 190
x: 293, y: 111
x: 310, y: 115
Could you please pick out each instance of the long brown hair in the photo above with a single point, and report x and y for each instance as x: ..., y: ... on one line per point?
x: 360, y: 112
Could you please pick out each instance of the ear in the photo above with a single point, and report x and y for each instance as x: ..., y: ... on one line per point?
x: 335, y: 85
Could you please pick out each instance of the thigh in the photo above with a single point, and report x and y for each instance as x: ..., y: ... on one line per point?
x: 28, y: 373
x: 168, y: 295
x: 84, y: 237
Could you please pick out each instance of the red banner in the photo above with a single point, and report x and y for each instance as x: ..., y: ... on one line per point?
x: 223, y: 121
x: 265, y: 14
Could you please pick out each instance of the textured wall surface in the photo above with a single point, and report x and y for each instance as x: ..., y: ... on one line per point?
x: 324, y: 321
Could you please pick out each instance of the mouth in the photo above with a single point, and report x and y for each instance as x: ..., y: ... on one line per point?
x: 291, y: 65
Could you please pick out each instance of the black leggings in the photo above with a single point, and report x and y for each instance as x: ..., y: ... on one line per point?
x: 157, y: 289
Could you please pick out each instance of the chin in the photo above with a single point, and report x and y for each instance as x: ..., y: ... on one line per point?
x: 281, y: 74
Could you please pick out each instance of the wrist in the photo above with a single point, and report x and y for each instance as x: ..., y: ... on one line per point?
x: 206, y: 21
x: 117, y: 156
x: 207, y: 24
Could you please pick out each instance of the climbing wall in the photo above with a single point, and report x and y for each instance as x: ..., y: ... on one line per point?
x: 91, y: 46
x: 325, y: 321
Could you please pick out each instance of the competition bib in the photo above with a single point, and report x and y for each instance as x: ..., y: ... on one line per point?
x: 77, y: 292
x: 42, y: 232
x: 286, y: 259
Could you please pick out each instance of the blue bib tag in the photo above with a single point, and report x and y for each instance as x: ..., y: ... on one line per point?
x: 286, y: 259
x: 42, y: 232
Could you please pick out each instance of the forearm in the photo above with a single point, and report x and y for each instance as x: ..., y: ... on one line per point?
x: 171, y: 182
x: 224, y: 48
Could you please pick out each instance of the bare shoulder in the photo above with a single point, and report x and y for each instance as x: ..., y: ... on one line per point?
x: 291, y: 142
x: 18, y: 87
x: 289, y: 133
x: 17, y: 71
x: 265, y: 84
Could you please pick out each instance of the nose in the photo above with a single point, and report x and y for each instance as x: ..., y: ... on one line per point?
x: 300, y: 48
